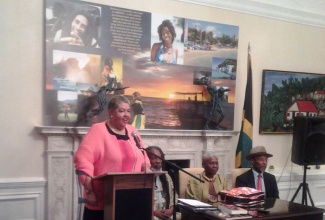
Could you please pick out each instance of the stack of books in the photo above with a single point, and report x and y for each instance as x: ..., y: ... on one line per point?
x: 195, y: 205
x: 229, y: 212
x: 231, y: 209
x: 243, y: 196
x: 217, y: 214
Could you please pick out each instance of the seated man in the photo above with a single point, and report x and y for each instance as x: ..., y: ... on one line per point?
x: 213, y: 183
x: 257, y: 177
x: 164, y: 187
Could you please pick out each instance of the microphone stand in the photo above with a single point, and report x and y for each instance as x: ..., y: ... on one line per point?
x: 177, y: 168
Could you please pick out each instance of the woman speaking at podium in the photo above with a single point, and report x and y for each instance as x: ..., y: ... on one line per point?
x: 108, y: 147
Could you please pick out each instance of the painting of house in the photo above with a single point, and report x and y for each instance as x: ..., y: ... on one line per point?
x: 286, y: 95
x: 301, y: 108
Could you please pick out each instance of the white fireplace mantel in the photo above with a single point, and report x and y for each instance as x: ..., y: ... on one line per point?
x: 61, y: 131
x: 62, y: 142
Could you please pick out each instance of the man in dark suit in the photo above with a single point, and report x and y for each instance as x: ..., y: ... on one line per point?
x: 266, y: 182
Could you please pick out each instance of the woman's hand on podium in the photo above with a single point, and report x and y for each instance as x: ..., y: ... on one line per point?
x: 92, y: 198
x: 91, y: 195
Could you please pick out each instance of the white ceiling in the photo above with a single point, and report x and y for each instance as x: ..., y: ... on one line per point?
x: 309, y: 12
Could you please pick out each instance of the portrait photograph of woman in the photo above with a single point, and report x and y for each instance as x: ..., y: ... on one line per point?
x: 167, y: 39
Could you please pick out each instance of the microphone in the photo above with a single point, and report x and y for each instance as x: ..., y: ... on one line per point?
x: 136, y: 139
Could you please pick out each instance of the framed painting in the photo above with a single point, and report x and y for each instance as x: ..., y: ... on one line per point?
x: 286, y: 95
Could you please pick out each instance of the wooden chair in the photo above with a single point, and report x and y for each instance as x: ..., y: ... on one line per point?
x: 184, y: 178
x: 236, y: 172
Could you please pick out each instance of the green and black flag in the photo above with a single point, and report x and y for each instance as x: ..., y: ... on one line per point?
x: 245, y: 140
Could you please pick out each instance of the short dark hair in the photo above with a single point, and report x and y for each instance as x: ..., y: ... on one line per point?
x: 116, y: 100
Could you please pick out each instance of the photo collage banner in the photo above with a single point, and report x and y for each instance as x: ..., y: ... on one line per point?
x: 178, y: 73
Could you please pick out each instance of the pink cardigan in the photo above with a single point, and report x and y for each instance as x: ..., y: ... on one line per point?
x: 101, y: 152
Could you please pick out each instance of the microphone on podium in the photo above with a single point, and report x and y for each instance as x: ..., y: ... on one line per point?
x: 136, y: 139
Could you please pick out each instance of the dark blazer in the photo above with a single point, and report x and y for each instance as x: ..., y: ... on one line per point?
x: 247, y: 180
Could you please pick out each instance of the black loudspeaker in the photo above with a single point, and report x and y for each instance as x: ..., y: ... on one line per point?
x: 308, y: 141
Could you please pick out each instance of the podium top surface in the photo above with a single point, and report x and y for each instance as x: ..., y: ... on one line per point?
x: 155, y: 173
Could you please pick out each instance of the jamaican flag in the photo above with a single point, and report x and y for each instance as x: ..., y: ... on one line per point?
x: 245, y: 140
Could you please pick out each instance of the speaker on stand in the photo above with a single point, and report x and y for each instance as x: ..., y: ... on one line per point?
x: 308, y: 148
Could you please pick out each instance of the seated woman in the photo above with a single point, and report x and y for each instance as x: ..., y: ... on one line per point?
x: 213, y: 183
x: 164, y: 187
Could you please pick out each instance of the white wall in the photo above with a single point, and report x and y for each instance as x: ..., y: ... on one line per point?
x: 21, y: 92
x: 275, y: 45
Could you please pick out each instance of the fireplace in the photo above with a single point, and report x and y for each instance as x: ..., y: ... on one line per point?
x: 184, y: 148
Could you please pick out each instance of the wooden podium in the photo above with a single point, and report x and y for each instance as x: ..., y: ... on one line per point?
x: 128, y: 195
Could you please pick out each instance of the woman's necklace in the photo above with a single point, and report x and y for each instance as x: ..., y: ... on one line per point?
x: 168, y: 49
x: 209, y: 179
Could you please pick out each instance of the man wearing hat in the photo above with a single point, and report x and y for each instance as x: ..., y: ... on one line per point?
x: 257, y: 177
